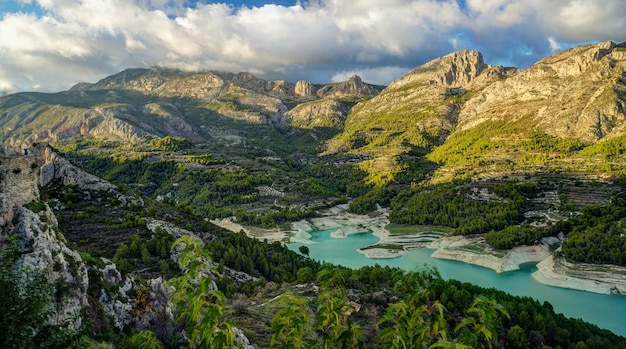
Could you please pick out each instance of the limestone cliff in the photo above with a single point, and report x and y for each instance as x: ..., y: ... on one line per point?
x: 457, y: 69
x: 578, y: 93
x: 42, y: 246
x: 324, y: 113
x: 416, y: 111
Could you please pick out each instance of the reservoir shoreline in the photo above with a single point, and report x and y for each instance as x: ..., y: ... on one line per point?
x: 552, y: 271
x: 368, y: 242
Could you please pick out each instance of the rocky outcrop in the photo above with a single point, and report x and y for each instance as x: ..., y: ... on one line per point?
x: 605, y: 279
x: 304, y: 90
x: 41, y: 245
x: 63, y: 123
x: 18, y: 186
x: 457, y: 69
x: 458, y: 248
x: 42, y: 250
x: 354, y: 89
x: 324, y: 113
x: 164, y: 82
x: 55, y: 167
x: 578, y: 93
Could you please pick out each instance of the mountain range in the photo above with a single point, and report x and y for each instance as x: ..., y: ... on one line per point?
x: 456, y: 112
x: 97, y: 182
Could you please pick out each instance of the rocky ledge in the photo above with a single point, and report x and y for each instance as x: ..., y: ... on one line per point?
x: 605, y: 279
x: 474, y: 251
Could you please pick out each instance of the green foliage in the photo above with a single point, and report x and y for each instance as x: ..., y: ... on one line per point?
x: 205, y: 159
x: 168, y: 143
x: 516, y: 338
x: 515, y: 235
x: 483, y: 144
x: 597, y: 235
x: 272, y: 261
x: 346, y: 179
x: 417, y: 321
x: 364, y: 204
x: 149, y: 175
x: 608, y: 148
x: 334, y: 322
x: 316, y: 187
x: 540, y: 141
x: 145, y: 250
x: 305, y: 274
x: 24, y: 300
x: 550, y: 329
x: 466, y: 146
x: 142, y: 340
x: 36, y: 206
x: 304, y: 250
x: 197, y: 301
x: 447, y: 205
x: 290, y: 322
x: 483, y: 320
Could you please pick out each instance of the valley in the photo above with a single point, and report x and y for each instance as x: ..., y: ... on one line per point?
x: 487, y: 165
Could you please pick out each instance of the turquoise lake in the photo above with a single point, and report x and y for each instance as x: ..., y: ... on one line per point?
x: 606, y: 311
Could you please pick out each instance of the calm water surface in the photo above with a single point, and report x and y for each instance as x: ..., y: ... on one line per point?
x: 606, y: 311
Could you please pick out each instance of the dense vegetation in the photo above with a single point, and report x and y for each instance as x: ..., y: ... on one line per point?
x: 25, y: 306
x: 415, y: 307
x: 218, y: 190
x: 382, y: 307
x: 451, y: 205
x: 171, y: 143
x: 597, y: 235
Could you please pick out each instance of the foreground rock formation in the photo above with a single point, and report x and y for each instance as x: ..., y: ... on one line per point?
x: 43, y: 248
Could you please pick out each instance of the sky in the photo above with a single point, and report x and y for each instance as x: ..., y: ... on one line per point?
x: 50, y: 45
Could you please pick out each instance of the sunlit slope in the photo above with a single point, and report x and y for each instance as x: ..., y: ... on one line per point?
x: 545, y: 117
x: 415, y: 112
x: 216, y: 107
x: 468, y: 118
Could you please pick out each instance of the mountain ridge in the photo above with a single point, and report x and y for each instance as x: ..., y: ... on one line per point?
x: 454, y: 111
x: 156, y: 102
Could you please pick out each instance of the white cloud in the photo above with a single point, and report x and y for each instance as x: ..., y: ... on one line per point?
x: 554, y: 45
x: 318, y: 40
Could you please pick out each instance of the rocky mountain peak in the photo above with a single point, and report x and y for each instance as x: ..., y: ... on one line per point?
x: 304, y: 89
x: 576, y: 60
x: 577, y: 93
x: 353, y: 88
x: 456, y: 69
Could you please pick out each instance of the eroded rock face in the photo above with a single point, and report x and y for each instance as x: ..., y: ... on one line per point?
x: 18, y: 185
x: 578, y: 93
x: 55, y: 167
x: 41, y: 244
x: 328, y: 113
x: 42, y: 250
x: 354, y: 89
x: 457, y: 69
x: 304, y: 90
